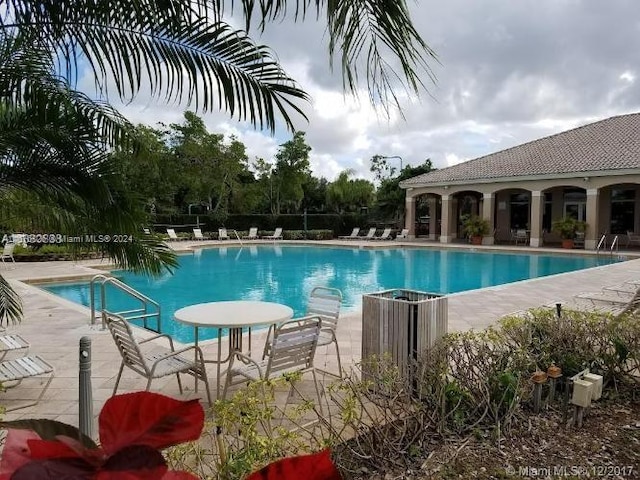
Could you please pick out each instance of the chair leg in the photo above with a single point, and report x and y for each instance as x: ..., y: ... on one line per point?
x: 42, y: 392
x: 315, y: 382
x: 148, y: 384
x: 267, y: 342
x: 338, y: 354
x: 179, y: 383
x: 115, y: 387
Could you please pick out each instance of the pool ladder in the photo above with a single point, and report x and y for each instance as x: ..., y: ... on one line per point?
x: 602, y: 244
x: 148, y: 309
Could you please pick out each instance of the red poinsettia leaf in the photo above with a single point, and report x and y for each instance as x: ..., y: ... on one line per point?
x: 146, y: 418
x: 43, y: 449
x: 15, y: 453
x: 138, y: 462
x: 317, y: 466
x: 55, y: 469
x: 50, y: 430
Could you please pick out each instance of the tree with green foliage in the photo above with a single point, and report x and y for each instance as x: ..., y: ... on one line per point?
x: 348, y: 195
x: 292, y: 168
x: 390, y: 198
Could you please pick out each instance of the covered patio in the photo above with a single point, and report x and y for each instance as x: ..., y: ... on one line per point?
x: 591, y: 173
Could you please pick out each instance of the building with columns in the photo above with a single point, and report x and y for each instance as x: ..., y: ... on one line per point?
x: 591, y: 173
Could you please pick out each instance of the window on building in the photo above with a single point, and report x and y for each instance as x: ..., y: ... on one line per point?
x: 575, y: 203
x: 623, y: 210
x: 519, y: 203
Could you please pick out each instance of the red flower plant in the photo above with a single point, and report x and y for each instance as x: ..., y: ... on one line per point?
x: 306, y: 467
x: 133, y: 428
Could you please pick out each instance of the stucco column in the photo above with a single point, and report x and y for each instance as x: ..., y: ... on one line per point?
x: 487, y: 214
x: 591, y: 235
x: 535, y: 238
x: 433, y: 217
x: 448, y: 215
x: 410, y: 214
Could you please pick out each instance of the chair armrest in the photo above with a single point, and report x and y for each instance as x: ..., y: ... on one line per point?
x: 155, y: 337
x: 245, y: 359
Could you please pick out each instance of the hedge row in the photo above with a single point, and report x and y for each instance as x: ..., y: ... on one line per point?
x: 339, y: 224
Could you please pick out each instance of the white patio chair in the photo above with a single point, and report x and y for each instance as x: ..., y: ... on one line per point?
x: 354, y: 234
x: 155, y: 362
x: 277, y: 235
x: 324, y: 302
x: 14, y: 371
x: 222, y: 234
x: 7, y: 252
x: 292, y: 350
x: 197, y: 234
x: 172, y: 234
x: 385, y: 235
x: 632, y: 238
x: 404, y: 233
x: 253, y: 234
x: 521, y: 235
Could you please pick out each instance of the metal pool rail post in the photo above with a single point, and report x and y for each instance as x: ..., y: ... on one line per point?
x: 86, y: 396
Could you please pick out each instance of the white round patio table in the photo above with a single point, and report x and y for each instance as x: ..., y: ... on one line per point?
x: 236, y: 316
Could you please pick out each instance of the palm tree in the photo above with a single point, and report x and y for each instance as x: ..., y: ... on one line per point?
x: 54, y: 140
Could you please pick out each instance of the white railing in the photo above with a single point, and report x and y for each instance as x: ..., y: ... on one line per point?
x: 149, y: 308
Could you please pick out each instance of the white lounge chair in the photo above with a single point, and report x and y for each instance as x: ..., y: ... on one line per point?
x: 12, y: 343
x: 616, y: 302
x: 197, y: 234
x: 7, y: 252
x: 386, y: 235
x: 172, y: 234
x: 13, y: 372
x: 154, y: 363
x: 253, y: 234
x: 222, y: 234
x: 292, y: 350
x: 404, y: 234
x: 277, y: 235
x: 370, y: 234
x: 354, y: 234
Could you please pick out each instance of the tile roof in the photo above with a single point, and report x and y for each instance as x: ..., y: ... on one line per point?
x: 611, y: 144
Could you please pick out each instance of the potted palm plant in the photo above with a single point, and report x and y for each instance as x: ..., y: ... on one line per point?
x: 475, y: 228
x: 567, y: 228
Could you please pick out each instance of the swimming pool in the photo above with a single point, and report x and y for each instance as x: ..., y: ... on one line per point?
x: 286, y: 274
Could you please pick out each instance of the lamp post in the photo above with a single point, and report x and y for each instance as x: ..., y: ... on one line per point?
x: 394, y: 156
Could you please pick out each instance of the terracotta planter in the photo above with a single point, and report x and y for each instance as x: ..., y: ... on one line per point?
x: 567, y: 243
x: 476, y: 240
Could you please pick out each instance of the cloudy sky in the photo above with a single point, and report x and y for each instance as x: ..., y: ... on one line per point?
x: 508, y: 72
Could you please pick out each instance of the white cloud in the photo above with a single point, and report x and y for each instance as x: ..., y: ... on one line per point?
x: 526, y: 70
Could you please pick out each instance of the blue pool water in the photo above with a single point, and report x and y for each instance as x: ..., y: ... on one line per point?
x: 286, y: 274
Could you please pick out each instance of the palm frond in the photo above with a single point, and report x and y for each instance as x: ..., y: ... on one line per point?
x: 10, y: 303
x: 171, y: 47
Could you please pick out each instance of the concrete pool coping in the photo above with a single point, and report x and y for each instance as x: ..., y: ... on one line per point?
x: 54, y: 326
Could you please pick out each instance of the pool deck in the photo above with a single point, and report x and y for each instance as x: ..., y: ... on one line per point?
x: 54, y: 326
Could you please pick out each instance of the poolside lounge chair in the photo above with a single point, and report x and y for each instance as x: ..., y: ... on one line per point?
x: 7, y: 252
x: 222, y: 234
x: 370, y: 234
x: 404, y: 234
x: 354, y: 234
x: 609, y: 301
x: 156, y: 362
x: 197, y: 234
x: 253, y: 234
x: 172, y: 234
x: 277, y: 235
x: 13, y: 372
x: 385, y: 235
x: 12, y: 343
x: 292, y: 350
